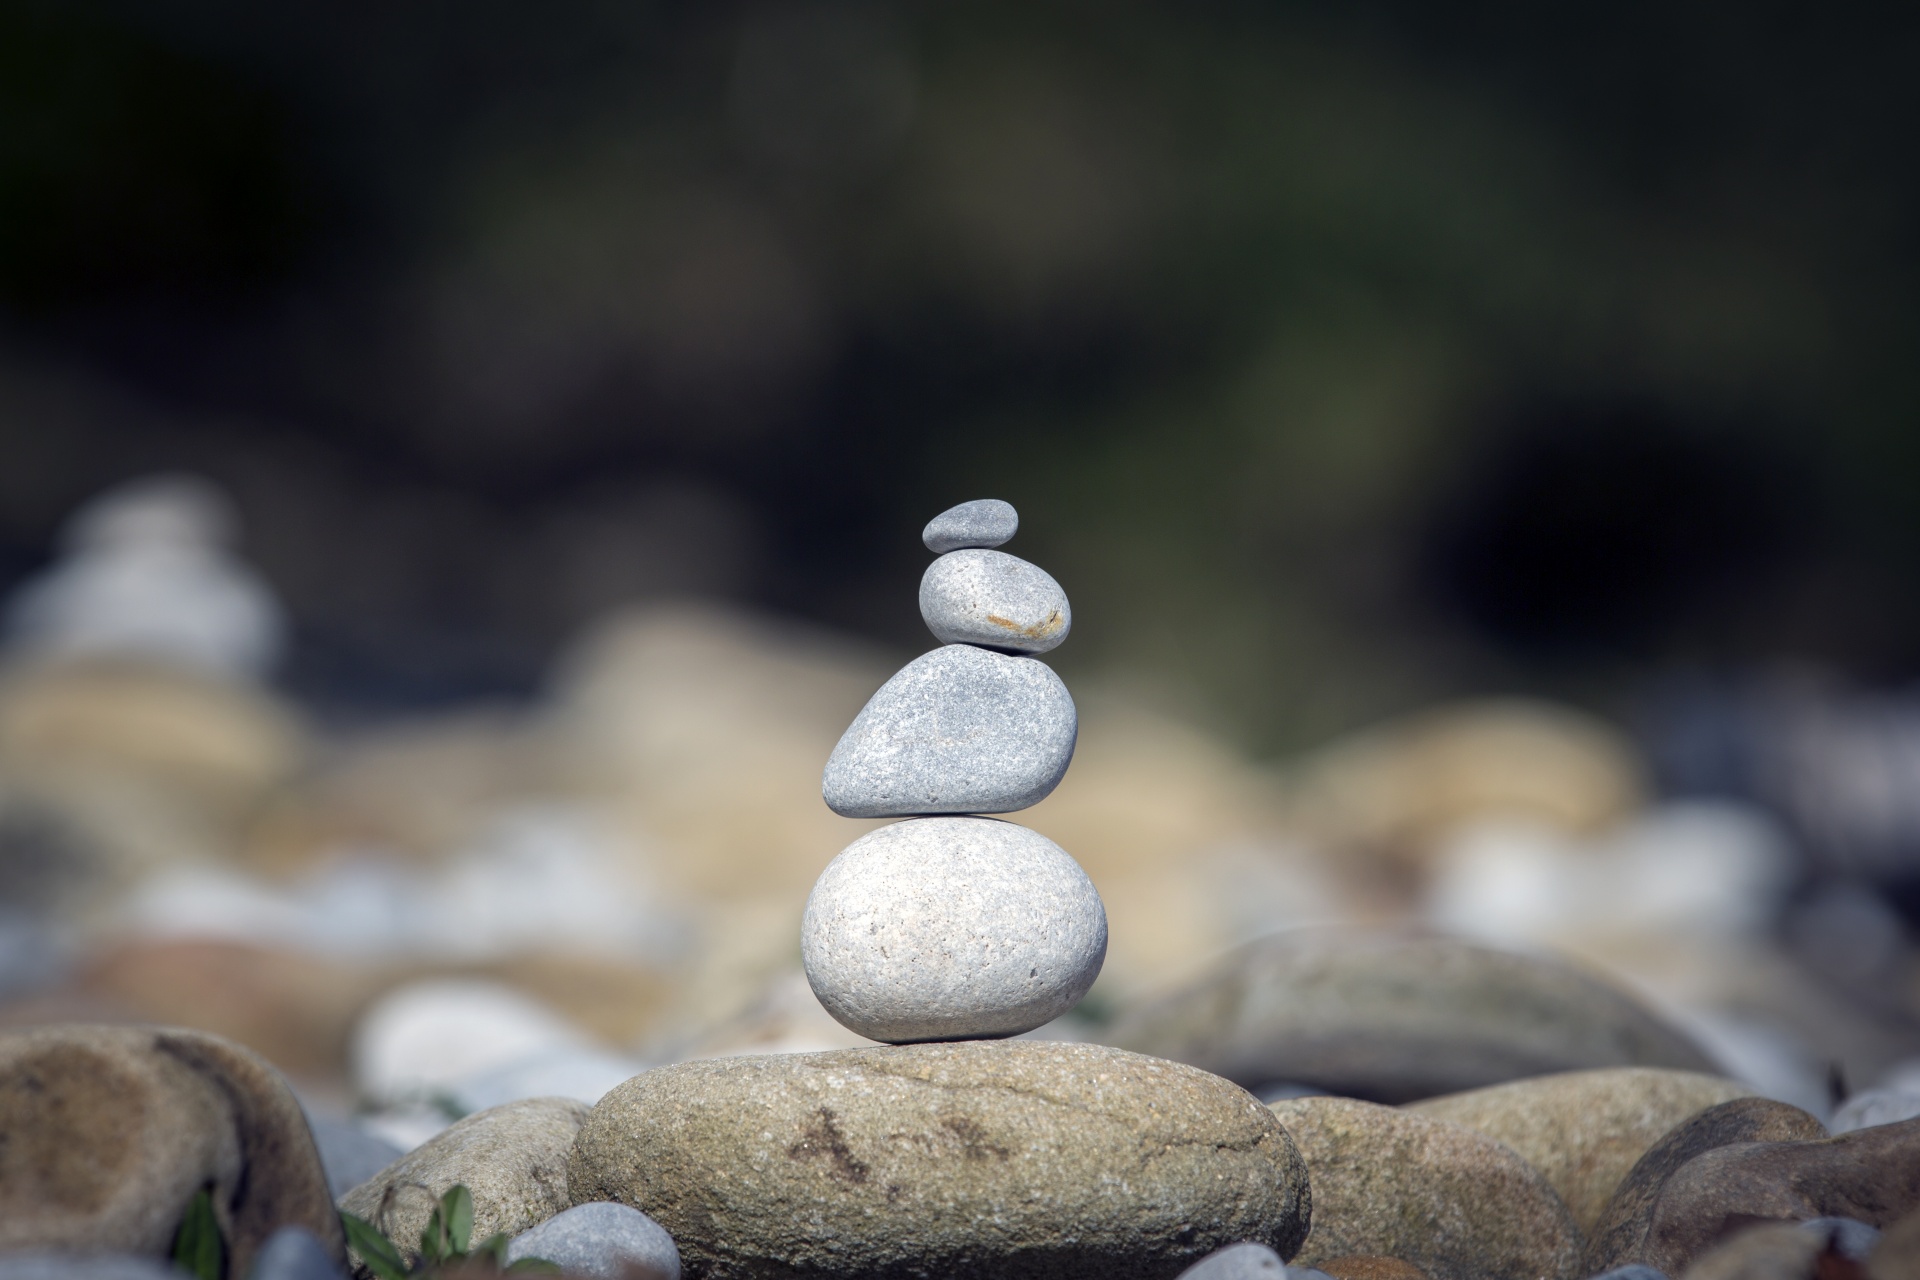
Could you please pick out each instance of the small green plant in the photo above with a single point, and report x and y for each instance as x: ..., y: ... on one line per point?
x: 198, y: 1249
x: 445, y: 1244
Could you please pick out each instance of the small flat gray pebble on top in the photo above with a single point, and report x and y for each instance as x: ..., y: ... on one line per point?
x: 294, y: 1254
x: 1633, y: 1271
x: 600, y: 1239
x: 994, y: 599
x: 958, y: 730
x: 1851, y: 1238
x: 984, y: 522
x: 83, y: 1266
x: 1238, y: 1262
x: 1873, y: 1107
x: 951, y: 929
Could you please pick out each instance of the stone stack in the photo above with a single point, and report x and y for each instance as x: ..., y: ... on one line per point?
x: 951, y: 925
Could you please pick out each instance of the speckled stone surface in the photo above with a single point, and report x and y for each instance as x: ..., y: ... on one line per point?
x: 1456, y: 1204
x: 984, y: 522
x: 952, y: 928
x: 601, y: 1239
x: 1005, y: 1159
x: 994, y: 599
x: 1238, y: 1262
x: 958, y: 730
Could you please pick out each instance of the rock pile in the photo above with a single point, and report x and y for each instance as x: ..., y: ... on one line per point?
x: 951, y: 925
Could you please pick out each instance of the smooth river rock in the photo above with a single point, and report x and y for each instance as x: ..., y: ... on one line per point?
x: 1584, y: 1130
x: 952, y: 929
x: 994, y: 599
x: 1869, y: 1175
x: 984, y: 522
x: 1621, y: 1237
x: 106, y: 1134
x: 604, y: 1240
x: 958, y: 730
x: 1454, y: 1203
x: 1239, y: 1262
x: 512, y: 1158
x: 1000, y: 1159
x: 1395, y: 1017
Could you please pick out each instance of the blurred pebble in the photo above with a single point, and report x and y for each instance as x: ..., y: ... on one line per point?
x: 1851, y: 1238
x: 584, y: 1075
x: 991, y: 598
x: 293, y: 1254
x: 422, y: 1040
x: 1633, y: 1271
x: 984, y: 522
x: 1247, y: 1261
x: 1370, y: 1266
x: 83, y: 1266
x: 1872, y: 1107
x: 349, y: 1153
x: 601, y: 1239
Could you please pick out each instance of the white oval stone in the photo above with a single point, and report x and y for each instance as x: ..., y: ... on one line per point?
x: 994, y: 599
x: 952, y: 929
x: 984, y: 522
x: 958, y: 730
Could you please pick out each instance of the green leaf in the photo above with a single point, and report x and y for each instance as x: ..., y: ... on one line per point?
x: 457, y: 1205
x: 197, y: 1247
x: 378, y: 1252
x: 539, y: 1265
x: 494, y: 1246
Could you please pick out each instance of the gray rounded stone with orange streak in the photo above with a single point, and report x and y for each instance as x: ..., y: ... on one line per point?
x: 1008, y: 1159
x: 991, y: 598
x: 958, y: 730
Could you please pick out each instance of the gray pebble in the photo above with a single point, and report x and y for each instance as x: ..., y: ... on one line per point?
x: 958, y: 730
x: 1872, y: 1107
x: 952, y: 929
x: 294, y: 1254
x: 601, y: 1239
x: 83, y: 1266
x: 994, y: 599
x: 348, y: 1153
x: 1633, y: 1271
x: 1238, y: 1262
x: 1851, y: 1238
x: 984, y: 522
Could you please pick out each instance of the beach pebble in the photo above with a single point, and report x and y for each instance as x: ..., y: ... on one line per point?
x: 601, y: 1239
x: 983, y: 1159
x: 1584, y: 1130
x: 1239, y: 1262
x: 83, y: 1266
x: 1624, y: 1233
x: 1769, y: 1251
x: 952, y: 928
x: 1851, y: 1238
x: 513, y: 1159
x: 994, y: 599
x: 1367, y: 1266
x: 1395, y: 1017
x: 1874, y: 1107
x: 1453, y: 1203
x: 958, y: 730
x: 293, y: 1254
x: 984, y: 522
x: 424, y: 1039
x: 1633, y: 1271
x: 107, y: 1132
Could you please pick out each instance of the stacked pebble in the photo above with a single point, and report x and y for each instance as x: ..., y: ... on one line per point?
x: 950, y: 925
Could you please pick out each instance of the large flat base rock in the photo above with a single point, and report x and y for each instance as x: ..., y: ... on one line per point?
x: 977, y: 1158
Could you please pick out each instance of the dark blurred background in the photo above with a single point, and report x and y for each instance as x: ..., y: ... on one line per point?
x: 1339, y: 356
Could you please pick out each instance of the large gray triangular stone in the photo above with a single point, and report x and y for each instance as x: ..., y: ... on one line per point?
x: 958, y: 730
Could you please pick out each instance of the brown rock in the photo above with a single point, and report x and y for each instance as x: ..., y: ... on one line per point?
x: 1620, y: 1236
x: 1771, y: 1251
x: 106, y: 1133
x: 1871, y: 1175
x: 1362, y: 1267
x: 1584, y: 1130
x: 1395, y: 1016
x: 1456, y: 1204
x: 513, y: 1158
x: 978, y: 1158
